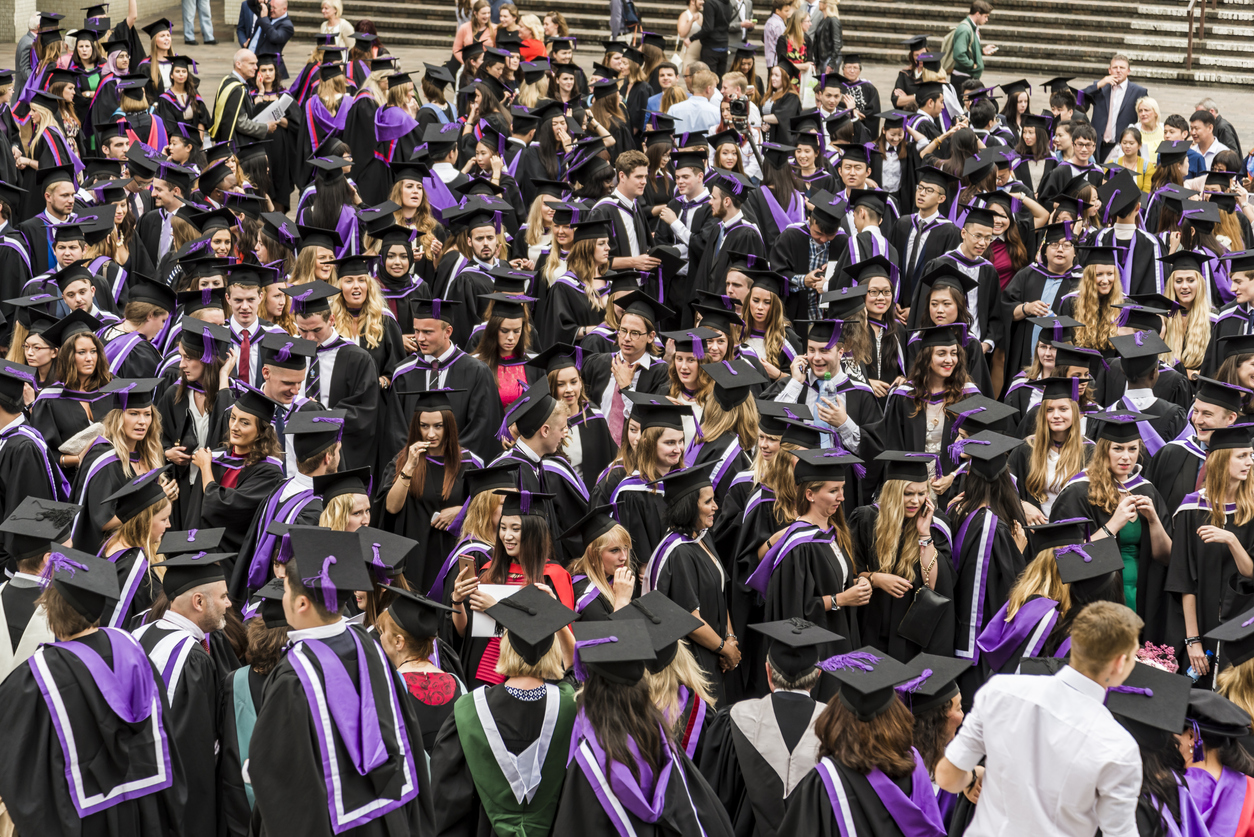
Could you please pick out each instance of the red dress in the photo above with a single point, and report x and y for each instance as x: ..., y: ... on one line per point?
x: 485, y: 667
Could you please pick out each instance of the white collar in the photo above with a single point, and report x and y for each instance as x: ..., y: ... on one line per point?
x: 330, y: 340
x: 1080, y: 683
x: 302, y: 481
x: 445, y: 356
x: 17, y: 422
x: 235, y: 326
x: 619, y: 197
x: 336, y: 628
x: 925, y: 219
x: 27, y: 577
x: 527, y: 451
x: 702, y: 195
x: 728, y: 222
x: 184, y: 624
x: 1144, y: 392
x: 645, y: 360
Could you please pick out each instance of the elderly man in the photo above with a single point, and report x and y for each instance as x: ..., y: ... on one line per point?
x: 232, y: 112
x: 265, y: 27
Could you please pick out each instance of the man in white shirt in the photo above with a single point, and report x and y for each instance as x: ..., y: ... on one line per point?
x: 690, y: 196
x: 698, y: 112
x: 1202, y: 130
x: 1057, y: 763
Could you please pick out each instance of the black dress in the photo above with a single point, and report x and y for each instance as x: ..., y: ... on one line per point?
x: 233, y: 507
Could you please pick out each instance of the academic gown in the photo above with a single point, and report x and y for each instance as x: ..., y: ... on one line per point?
x: 27, y: 469
x: 596, y: 372
x: 26, y: 622
x: 178, y: 427
x: 287, y: 503
x: 1020, y: 463
x: 1151, y: 603
x: 708, y: 258
x: 58, y: 417
x: 880, y: 617
x: 756, y: 752
x: 728, y: 457
x: 1234, y: 319
x: 750, y: 524
x: 1169, y: 420
x: 414, y: 519
x: 904, y: 429
x: 1028, y: 285
x: 589, y: 447
x: 772, y: 215
x: 477, y: 408
x: 1174, y: 470
x: 1110, y: 384
x: 640, y: 510
x: 988, y: 313
x: 369, y: 173
x: 239, y: 699
x: 694, y: 579
x: 937, y: 236
x: 33, y: 770
x: 810, y: 807
x: 566, y: 309
x: 232, y: 508
x: 463, y: 281
x: 467, y: 777
x: 191, y: 683
x: 1036, y: 630
x: 101, y: 474
x: 1207, y: 570
x: 290, y: 746
x: 1146, y: 275
x: 551, y: 475
x: 354, y: 386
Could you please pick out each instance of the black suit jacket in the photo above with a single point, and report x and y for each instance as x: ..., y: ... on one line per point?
x: 1099, y: 100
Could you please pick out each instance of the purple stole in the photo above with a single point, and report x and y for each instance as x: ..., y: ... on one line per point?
x: 390, y: 124
x: 589, y: 596
x: 799, y: 532
x: 512, y: 166
x: 119, y: 349
x: 321, y: 122
x: 1191, y: 822
x: 5, y: 241
x: 130, y: 692
x: 725, y: 461
x: 1153, y: 442
x: 56, y: 480
x: 340, y: 711
x: 129, y: 588
x: 1219, y: 802
x: 285, y: 512
x: 465, y: 546
x: 794, y: 214
x: 1034, y: 620
x: 438, y: 194
x: 664, y: 549
x: 696, y: 721
x: 983, y: 555
x: 917, y: 815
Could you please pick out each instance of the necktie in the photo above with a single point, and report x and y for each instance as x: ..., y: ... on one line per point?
x: 617, y: 411
x: 642, y: 230
x: 204, y: 643
x: 433, y: 375
x: 685, y: 206
x: 1249, y: 321
x: 280, y: 425
x: 245, y: 350
x: 1201, y: 477
x: 722, y: 233
x: 1109, y: 136
x: 920, y: 230
x: 313, y: 381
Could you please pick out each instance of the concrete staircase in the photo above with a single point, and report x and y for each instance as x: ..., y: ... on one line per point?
x: 1037, y: 38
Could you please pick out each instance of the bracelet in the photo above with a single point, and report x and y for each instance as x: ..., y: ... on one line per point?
x: 1109, y: 533
x: 719, y: 650
x: 730, y: 636
x: 971, y: 784
x: 925, y: 541
x: 834, y: 605
x: 928, y: 569
x: 1189, y: 640
x: 406, y: 476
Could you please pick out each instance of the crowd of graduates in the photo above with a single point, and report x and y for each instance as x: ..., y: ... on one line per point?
x: 476, y: 453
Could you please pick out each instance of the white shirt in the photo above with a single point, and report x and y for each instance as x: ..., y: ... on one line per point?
x: 326, y: 367
x: 184, y: 624
x: 1209, y: 154
x: 255, y: 335
x: 607, y: 395
x: 1140, y: 398
x: 1117, y: 92
x: 1058, y: 763
x: 626, y: 208
x: 696, y: 113
x: 444, y: 364
x: 447, y: 171
x: 336, y: 628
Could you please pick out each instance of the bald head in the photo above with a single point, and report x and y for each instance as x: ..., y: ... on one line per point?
x: 245, y: 64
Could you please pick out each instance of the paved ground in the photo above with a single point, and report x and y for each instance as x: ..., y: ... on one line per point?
x: 1237, y: 105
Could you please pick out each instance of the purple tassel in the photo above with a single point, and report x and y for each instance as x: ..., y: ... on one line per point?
x: 1139, y: 338
x: 1199, y: 749
x: 1077, y: 548
x: 524, y: 501
x: 58, y: 562
x: 206, y: 296
x: 191, y: 535
x: 912, y: 686
x: 579, y: 358
x: 25, y: 376
x: 206, y: 356
x: 338, y: 422
x: 861, y: 660
x: 1248, y: 622
x: 496, y: 222
x: 283, y: 354
x: 698, y: 350
x: 330, y: 598
x: 581, y: 673
x: 1130, y: 690
x: 957, y: 448
x: 382, y: 570
x: 838, y: 327
x: 730, y: 368
x: 435, y: 308
x: 963, y: 417
x: 1066, y: 229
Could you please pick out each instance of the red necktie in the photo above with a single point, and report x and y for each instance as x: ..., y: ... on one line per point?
x: 617, y: 410
x: 204, y: 643
x: 1201, y: 477
x: 245, y: 346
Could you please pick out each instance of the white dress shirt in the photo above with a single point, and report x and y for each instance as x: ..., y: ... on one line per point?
x: 607, y: 395
x: 1058, y: 763
x: 187, y: 626
x: 626, y: 208
x: 326, y: 368
x: 1117, y: 92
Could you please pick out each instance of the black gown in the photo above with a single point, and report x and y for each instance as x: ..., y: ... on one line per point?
x: 178, y: 427
x: 33, y: 779
x: 880, y: 616
x: 477, y: 408
x: 1027, y: 286
x: 233, y: 508
x: 810, y: 810
x: 596, y: 446
x: 27, y: 469
x: 101, y: 474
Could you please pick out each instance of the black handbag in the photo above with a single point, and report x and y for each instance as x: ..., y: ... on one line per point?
x: 924, y: 613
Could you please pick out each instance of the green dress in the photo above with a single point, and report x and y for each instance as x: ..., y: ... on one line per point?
x: 1129, y: 539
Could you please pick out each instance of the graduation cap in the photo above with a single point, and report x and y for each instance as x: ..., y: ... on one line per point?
x: 311, y: 297
x: 38, y: 525
x: 1118, y: 425
x: 776, y: 154
x: 978, y: 215
x: 143, y: 289
x: 138, y: 162
x: 733, y: 381
x: 643, y: 305
x: 191, y: 570
x: 158, y: 26
x: 560, y: 44
x: 1227, y: 396
x: 1140, y: 317
x: 669, y: 416
x: 438, y: 74
x: 1237, y: 635
x: 905, y: 465
x: 592, y: 229
x: 616, y: 650
x: 254, y: 402
x: 1235, y: 345
x: 666, y: 622
x: 933, y: 682
x: 521, y: 502
x: 828, y: 206
x: 177, y: 176
x: 867, y: 680
x: 314, y: 431
x: 508, y: 306
x: 88, y: 583
x: 328, y: 564
x: 1067, y: 355
x: 1149, y: 702
x: 681, y: 482
x: 353, y: 481
x: 13, y: 376
x: 48, y: 37
x: 190, y: 540
x: 589, y: 169
x: 928, y: 91
x: 947, y: 335
x: 138, y: 494
x: 204, y: 341
x: 1119, y: 195
x: 531, y: 409
x: 874, y: 199
x: 1059, y: 387
x: 988, y: 451
x: 589, y: 528
x: 434, y: 309
x: 286, y: 352
x: 1171, y: 152
x: 415, y: 614
x: 691, y: 341
x: 11, y: 195
x: 71, y: 273
x: 131, y: 393
x: 1216, y: 716
x: 774, y: 415
x: 826, y: 332
x: 432, y: 400
x: 385, y: 552
x: 1139, y: 352
x: 794, y: 645
x: 268, y: 603
x: 1203, y: 215
x: 828, y: 465
x: 487, y: 480
x: 72, y: 324
x: 981, y: 411
x: 1054, y: 326
x: 49, y: 175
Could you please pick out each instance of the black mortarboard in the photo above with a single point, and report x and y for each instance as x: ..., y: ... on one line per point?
x: 190, y: 540
x: 615, y: 650
x: 49, y: 175
x: 432, y: 400
x: 137, y: 495
x: 989, y: 452
x: 177, y: 176
x: 1236, y: 635
x: 38, y: 525
x: 269, y: 604
x: 1235, y: 437
x: 808, y: 437
x: 733, y: 381
x: 1058, y: 387
x: 531, y: 409
x: 794, y: 645
x: 691, y: 341
x: 1139, y: 352
x: 588, y: 528
x: 1060, y: 533
x: 486, y: 480
x: 643, y: 305
x: 416, y: 615
x: 666, y: 622
x: 254, y: 402
x: 74, y: 323
x: 772, y: 415
x: 669, y: 416
x: 158, y: 26
x: 1184, y: 260
x: 933, y: 682
x: 11, y: 195
x: 314, y: 431
x: 945, y: 274
x: 204, y: 341
x: 867, y: 677
x: 1119, y: 195
x: 684, y: 481
x: 1239, y: 261
x: 1054, y: 326
x: 1068, y: 355
x: 386, y: 553
x: 1234, y: 345
x: 191, y: 570
x: 143, y: 289
x: 979, y: 215
x: 353, y: 481
x: 131, y: 393
x: 1172, y: 151
x: 979, y: 411
x: 434, y: 309
x: 1150, y: 700
x: 1217, y: 715
x: 873, y: 199
x: 1228, y: 396
x: 286, y: 351
x: 328, y: 564
x: 905, y: 465
x: 948, y: 335
x: 557, y: 356
x: 821, y: 465
x: 311, y: 297
x: 591, y: 230
x: 1118, y: 425
x: 518, y: 503
x: 89, y: 584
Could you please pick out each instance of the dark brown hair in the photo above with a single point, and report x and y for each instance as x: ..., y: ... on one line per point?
x: 534, y: 553
x: 621, y: 714
x: 63, y: 620
x: 931, y: 734
x: 265, y: 645
x: 884, y: 741
x: 955, y: 384
x: 450, y: 450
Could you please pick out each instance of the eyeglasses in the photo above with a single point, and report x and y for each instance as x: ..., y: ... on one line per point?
x: 36, y: 347
x: 634, y: 335
x: 927, y: 190
x: 980, y: 238
x: 885, y: 293
x: 1083, y: 144
x: 1060, y: 243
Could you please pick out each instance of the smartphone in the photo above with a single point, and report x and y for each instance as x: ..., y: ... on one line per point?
x: 465, y: 562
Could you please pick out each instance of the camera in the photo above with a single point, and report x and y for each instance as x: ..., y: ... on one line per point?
x: 738, y: 107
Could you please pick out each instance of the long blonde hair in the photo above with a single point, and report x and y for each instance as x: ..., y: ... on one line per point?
x: 305, y: 268
x: 777, y: 475
x: 332, y: 92
x: 30, y: 135
x: 1039, y: 578
x: 1216, y: 487
x: 149, y: 448
x: 1097, y: 315
x: 773, y: 334
x: 336, y: 512
x: 1103, y: 489
x: 741, y: 420
x: 137, y: 532
x: 582, y: 263
x: 480, y: 513
x: 535, y: 222
x: 374, y: 83
x: 897, y: 552
x: 368, y: 324
x: 1236, y: 683
x: 589, y: 563
x: 682, y: 671
x: 1188, y: 335
x: 1070, y: 457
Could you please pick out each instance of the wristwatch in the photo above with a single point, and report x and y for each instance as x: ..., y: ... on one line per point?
x: 925, y: 541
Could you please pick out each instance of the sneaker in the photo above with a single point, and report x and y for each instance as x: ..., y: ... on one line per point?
x: 210, y: 43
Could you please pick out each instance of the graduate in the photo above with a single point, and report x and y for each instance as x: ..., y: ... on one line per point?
x: 851, y: 791
x: 31, y: 532
x: 342, y: 376
x: 588, y: 446
x: 601, y: 575
x: 499, y: 760
x: 194, y: 590
x: 26, y: 466
x: 1218, y: 774
x: 639, y: 498
x: 91, y: 698
x: 657, y: 788
x: 728, y: 423
x: 1138, y: 359
x: 377, y: 783
x: 1037, y: 291
x: 129, y: 348
x: 757, y: 751
x: 142, y: 510
x: 933, y: 698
